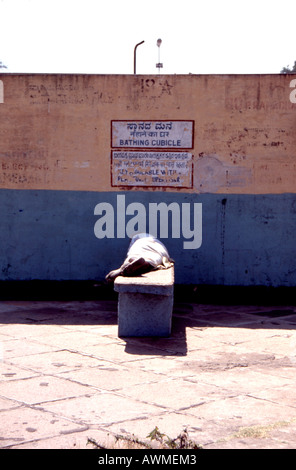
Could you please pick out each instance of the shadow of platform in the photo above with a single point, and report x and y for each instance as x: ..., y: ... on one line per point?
x: 95, y: 305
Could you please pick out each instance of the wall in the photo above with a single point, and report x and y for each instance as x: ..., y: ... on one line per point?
x: 73, y: 190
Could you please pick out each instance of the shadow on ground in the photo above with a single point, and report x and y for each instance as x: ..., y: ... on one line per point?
x: 91, y: 303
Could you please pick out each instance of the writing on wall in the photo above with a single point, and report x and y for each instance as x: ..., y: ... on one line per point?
x: 168, y: 166
x: 132, y: 168
x: 67, y: 131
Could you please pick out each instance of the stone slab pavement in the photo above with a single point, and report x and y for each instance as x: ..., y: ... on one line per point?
x: 227, y: 374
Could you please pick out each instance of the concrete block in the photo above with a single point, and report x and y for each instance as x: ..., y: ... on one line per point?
x: 145, y: 303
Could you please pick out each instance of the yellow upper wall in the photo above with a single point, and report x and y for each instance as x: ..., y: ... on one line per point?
x: 55, y: 130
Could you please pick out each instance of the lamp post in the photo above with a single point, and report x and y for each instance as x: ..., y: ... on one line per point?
x: 135, y: 58
x: 159, y: 65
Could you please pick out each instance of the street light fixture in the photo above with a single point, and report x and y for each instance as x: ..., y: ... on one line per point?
x: 159, y: 65
x: 135, y: 50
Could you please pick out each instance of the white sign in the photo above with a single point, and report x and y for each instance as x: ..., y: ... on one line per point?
x: 132, y: 168
x: 152, y: 134
x: 293, y: 93
x: 1, y: 92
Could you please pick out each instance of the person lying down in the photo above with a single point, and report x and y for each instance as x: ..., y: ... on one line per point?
x: 145, y: 253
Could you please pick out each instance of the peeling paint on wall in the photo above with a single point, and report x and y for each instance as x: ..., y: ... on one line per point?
x: 212, y: 174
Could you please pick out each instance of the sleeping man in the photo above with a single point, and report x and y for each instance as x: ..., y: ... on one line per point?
x: 145, y: 253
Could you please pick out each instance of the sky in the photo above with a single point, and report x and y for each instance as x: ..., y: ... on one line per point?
x: 99, y: 36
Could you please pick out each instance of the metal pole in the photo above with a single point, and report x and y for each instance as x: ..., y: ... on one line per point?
x: 159, y: 65
x: 135, y: 54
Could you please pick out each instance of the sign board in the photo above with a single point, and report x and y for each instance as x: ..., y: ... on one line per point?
x: 172, y: 135
x: 140, y: 168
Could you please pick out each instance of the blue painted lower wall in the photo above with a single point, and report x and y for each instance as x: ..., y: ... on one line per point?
x: 50, y: 235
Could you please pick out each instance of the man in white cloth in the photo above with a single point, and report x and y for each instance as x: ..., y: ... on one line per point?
x: 145, y: 253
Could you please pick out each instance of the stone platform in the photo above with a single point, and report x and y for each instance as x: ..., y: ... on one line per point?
x: 145, y: 303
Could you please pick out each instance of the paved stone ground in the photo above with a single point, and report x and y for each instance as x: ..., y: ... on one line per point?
x: 227, y: 374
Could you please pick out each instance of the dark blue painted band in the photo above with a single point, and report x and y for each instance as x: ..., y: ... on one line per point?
x: 246, y: 239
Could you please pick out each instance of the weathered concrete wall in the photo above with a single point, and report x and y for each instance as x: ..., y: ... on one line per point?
x: 66, y: 215
x: 55, y: 130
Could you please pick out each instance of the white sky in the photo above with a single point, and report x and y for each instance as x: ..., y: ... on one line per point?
x: 99, y: 36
